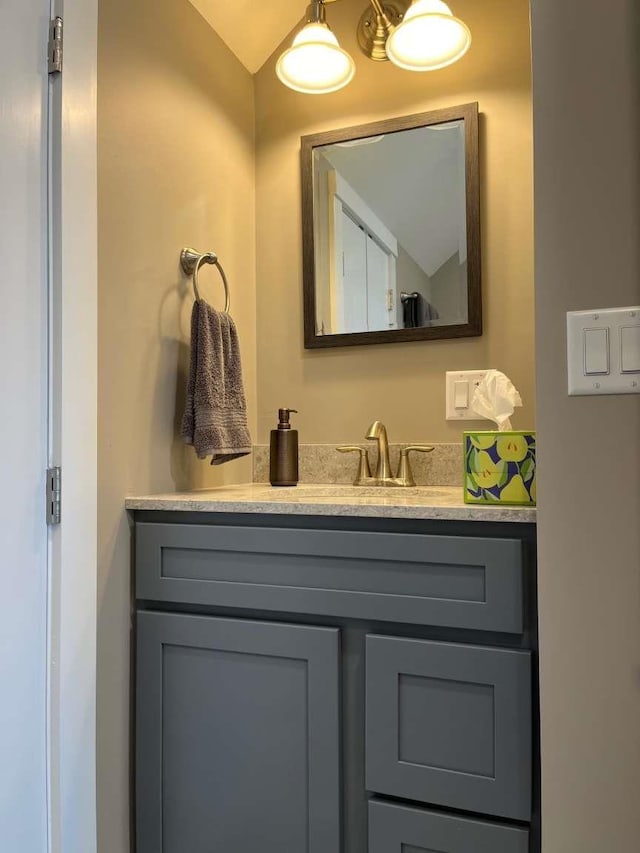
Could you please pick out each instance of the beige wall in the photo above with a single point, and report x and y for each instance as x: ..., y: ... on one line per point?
x: 339, y: 391
x: 173, y: 107
x: 587, y: 165
x: 176, y: 167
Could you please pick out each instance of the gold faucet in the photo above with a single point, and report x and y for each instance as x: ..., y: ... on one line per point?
x: 378, y: 432
x: 383, y: 476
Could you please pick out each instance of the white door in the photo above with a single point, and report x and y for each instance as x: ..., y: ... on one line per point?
x: 23, y: 427
x: 48, y: 383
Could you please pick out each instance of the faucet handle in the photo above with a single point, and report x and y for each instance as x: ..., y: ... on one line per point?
x: 364, y: 469
x: 405, y: 474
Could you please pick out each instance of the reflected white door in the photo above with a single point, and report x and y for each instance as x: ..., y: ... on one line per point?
x: 366, y: 293
x: 379, y: 302
x: 23, y: 427
x: 354, y: 282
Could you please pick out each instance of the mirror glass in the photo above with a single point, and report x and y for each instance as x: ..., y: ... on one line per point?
x: 393, y: 231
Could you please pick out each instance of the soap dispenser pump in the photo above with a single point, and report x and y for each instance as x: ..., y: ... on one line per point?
x: 283, y: 458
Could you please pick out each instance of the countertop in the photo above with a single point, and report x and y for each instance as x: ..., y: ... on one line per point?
x: 421, y: 502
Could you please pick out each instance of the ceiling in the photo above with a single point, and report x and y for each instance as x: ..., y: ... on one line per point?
x: 252, y: 28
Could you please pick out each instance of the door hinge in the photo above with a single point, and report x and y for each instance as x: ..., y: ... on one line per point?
x: 56, y: 37
x: 54, y: 495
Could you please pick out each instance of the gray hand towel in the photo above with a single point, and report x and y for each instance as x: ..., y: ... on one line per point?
x: 215, y: 418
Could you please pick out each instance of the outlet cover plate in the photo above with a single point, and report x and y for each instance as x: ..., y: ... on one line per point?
x: 473, y: 378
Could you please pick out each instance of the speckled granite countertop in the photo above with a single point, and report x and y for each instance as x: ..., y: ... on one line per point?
x: 422, y: 502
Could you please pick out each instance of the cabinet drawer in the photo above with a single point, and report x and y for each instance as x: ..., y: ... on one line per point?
x: 400, y: 829
x: 449, y: 724
x: 461, y: 582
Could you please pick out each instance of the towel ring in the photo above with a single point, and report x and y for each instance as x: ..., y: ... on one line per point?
x: 191, y: 262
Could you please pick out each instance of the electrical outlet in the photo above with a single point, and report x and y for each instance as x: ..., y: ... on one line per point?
x: 460, y: 387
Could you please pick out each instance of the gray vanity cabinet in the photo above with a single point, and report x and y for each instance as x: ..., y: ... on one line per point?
x: 238, y: 736
x: 341, y: 685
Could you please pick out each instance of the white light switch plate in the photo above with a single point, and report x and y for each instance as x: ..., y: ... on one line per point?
x: 462, y: 384
x: 603, y: 351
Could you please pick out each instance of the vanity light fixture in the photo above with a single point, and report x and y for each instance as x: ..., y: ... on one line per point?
x: 315, y: 64
x: 429, y: 37
x: 417, y: 35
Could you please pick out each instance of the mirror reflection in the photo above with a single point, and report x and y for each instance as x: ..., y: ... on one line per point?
x: 391, y: 241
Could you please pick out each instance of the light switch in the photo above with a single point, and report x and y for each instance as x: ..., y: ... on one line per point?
x: 461, y: 385
x: 630, y: 349
x: 461, y: 394
x: 596, y: 352
x: 603, y: 351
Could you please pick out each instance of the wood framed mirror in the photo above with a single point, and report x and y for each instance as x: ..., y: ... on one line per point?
x: 391, y: 231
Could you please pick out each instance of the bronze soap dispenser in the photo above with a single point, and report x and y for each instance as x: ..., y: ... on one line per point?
x: 283, y: 458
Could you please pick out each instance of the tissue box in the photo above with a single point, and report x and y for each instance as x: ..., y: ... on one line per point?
x: 500, y: 468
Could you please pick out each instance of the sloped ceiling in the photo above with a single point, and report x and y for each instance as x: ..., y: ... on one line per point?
x: 252, y: 28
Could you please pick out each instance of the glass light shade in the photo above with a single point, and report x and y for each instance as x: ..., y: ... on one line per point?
x: 315, y: 64
x: 428, y: 38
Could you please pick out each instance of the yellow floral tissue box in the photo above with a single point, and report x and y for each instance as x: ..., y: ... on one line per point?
x: 500, y: 468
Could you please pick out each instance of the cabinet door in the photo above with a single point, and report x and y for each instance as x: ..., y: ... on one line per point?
x: 400, y: 829
x: 450, y: 724
x: 237, y: 736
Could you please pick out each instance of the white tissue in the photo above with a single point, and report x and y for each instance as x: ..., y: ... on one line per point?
x: 495, y: 398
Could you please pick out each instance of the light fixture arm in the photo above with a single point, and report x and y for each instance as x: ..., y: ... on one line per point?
x: 376, y: 25
x: 316, y: 12
x: 377, y: 5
